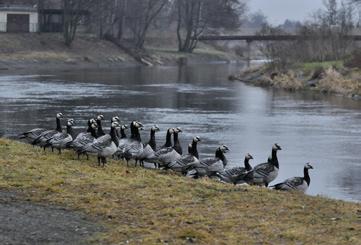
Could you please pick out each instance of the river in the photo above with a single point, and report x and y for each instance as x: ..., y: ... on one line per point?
x: 323, y: 130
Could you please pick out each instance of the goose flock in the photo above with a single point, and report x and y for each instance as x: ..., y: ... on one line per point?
x: 117, y: 145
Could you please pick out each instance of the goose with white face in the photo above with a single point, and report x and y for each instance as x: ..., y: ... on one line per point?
x: 296, y: 183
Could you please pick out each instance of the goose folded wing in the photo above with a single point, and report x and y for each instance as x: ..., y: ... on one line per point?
x: 99, y: 144
x: 290, y: 183
x: 82, y: 139
x: 263, y: 170
x: 164, y: 151
x: 182, y: 162
x: 134, y: 149
x: 217, y: 166
x: 233, y: 172
x: 59, y: 137
x: 34, y: 133
x: 148, y: 152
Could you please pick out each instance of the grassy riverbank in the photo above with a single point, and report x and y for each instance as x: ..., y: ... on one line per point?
x: 325, y: 77
x: 155, y: 207
x: 32, y: 51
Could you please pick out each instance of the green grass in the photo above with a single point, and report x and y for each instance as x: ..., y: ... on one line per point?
x: 311, y: 66
x: 156, y: 207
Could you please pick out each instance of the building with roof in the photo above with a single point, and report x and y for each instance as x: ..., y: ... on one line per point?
x: 18, y: 18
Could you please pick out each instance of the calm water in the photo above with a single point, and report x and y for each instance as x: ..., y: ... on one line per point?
x: 311, y: 128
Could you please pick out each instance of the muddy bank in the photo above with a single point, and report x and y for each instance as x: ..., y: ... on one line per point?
x: 329, y: 80
x: 23, y: 222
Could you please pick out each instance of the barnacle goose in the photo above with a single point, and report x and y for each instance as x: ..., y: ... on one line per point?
x: 176, y: 145
x: 150, y: 147
x: 181, y: 164
x: 210, y: 166
x: 104, y: 146
x: 167, y: 154
x: 296, y: 183
x: 264, y: 173
x: 85, y: 138
x: 100, y: 128
x: 236, y: 175
x: 133, y: 147
x: 62, y: 140
x: 42, y: 139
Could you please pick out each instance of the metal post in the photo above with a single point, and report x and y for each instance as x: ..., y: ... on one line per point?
x: 249, y: 53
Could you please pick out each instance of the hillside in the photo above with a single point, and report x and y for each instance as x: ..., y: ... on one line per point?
x: 157, y: 207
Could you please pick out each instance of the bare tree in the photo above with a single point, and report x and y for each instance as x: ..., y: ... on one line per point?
x: 195, y: 16
x: 190, y: 24
x: 141, y: 14
x: 74, y: 11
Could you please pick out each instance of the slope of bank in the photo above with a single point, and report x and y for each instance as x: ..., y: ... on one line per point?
x: 157, y: 207
x: 47, y: 51
x: 326, y: 77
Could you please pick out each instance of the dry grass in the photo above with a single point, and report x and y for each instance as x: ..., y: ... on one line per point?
x: 288, y: 81
x: 334, y: 82
x: 155, y: 207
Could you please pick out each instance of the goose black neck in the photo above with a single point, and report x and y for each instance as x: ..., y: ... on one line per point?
x: 113, y: 134
x: 176, y: 144
x: 135, y: 134
x: 92, y: 132
x: 306, y: 176
x: 58, y: 125
x: 122, y: 133
x: 194, y: 149
x: 69, y: 130
x: 168, y: 140
x: 247, y: 166
x: 274, y: 158
x: 100, y: 128
x: 190, y: 149
x: 89, y: 127
x: 152, y: 142
x: 220, y: 155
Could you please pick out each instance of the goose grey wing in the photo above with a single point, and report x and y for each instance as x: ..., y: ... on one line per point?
x: 235, y: 171
x: 182, y: 162
x: 58, y: 137
x: 33, y: 134
x: 262, y: 170
x: 134, y: 149
x: 82, y: 139
x: 289, y: 184
x: 147, y: 153
x: 164, y: 151
x: 99, y: 144
x: 208, y: 161
x: 216, y: 167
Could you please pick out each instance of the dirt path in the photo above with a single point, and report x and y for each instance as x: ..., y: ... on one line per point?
x: 27, y: 223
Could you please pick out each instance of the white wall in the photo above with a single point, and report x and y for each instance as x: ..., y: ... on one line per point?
x: 33, y: 23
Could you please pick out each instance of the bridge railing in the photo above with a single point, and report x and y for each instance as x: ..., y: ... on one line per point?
x: 250, y: 38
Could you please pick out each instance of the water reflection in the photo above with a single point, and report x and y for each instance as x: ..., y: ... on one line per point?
x: 310, y: 127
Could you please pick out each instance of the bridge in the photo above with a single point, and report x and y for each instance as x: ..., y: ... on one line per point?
x: 262, y: 38
x: 251, y: 38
